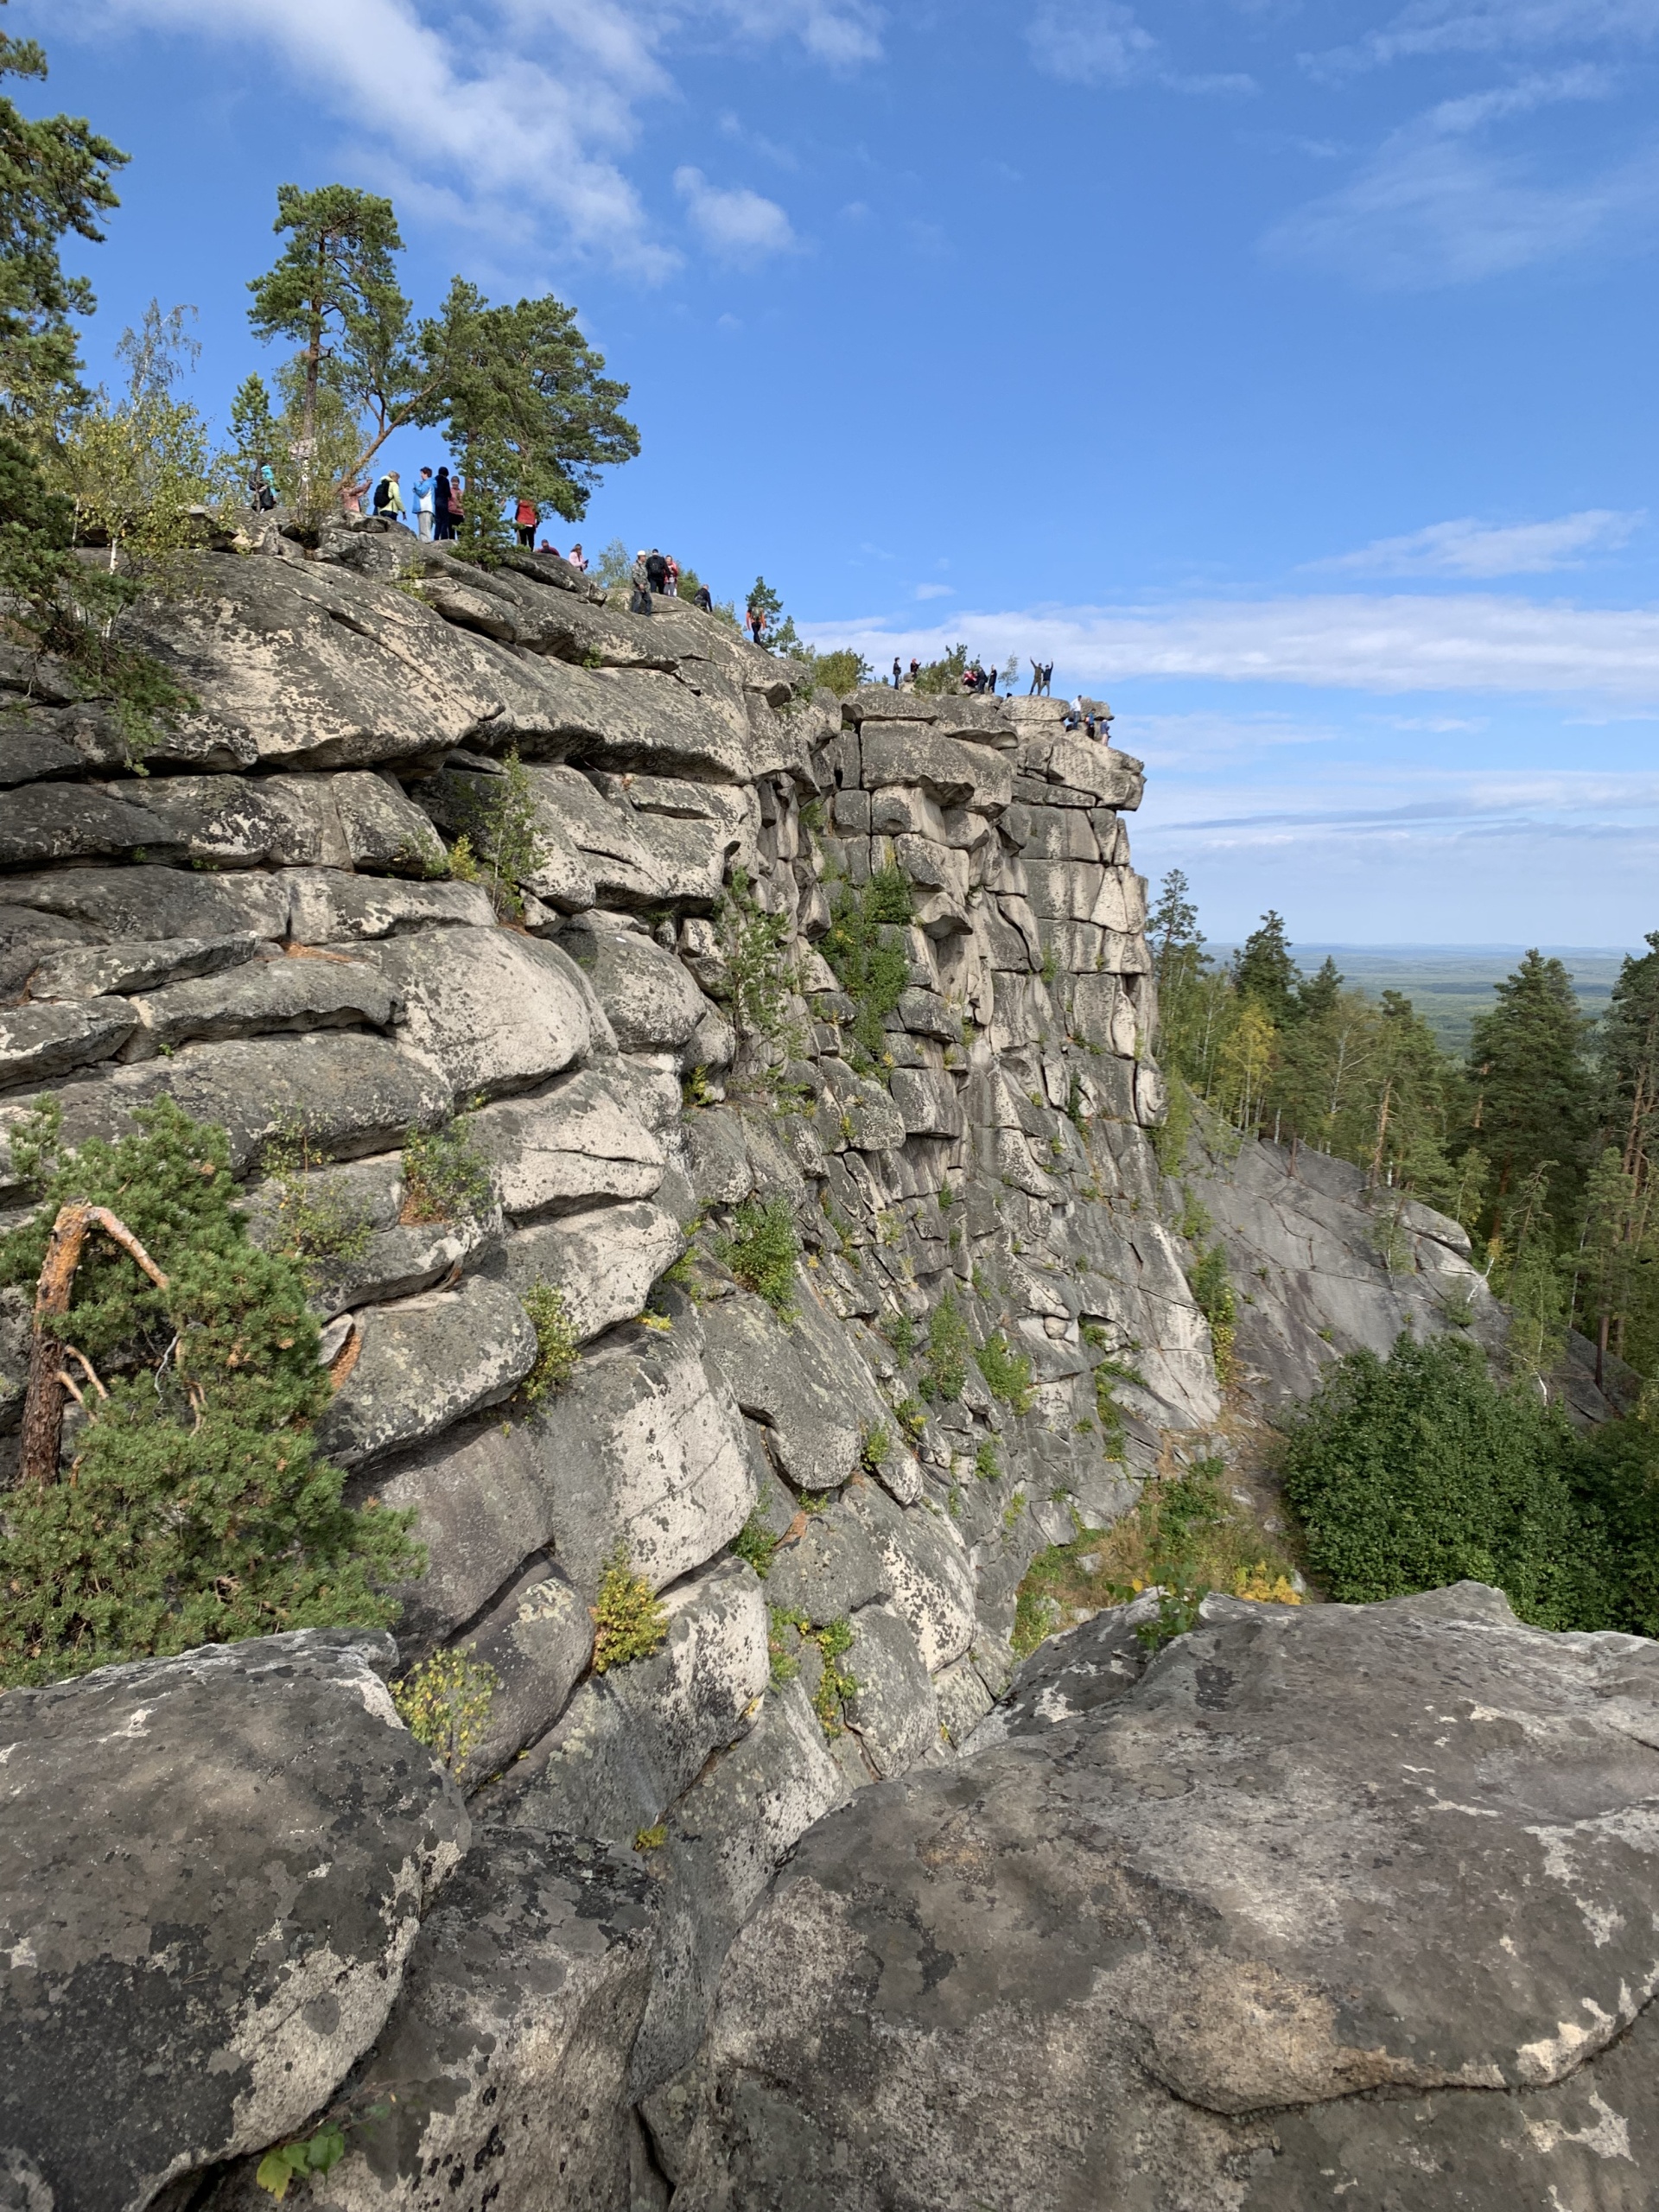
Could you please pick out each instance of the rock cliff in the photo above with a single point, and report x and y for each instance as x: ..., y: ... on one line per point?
x: 267, y: 924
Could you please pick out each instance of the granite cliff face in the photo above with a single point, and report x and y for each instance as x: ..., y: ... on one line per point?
x: 263, y: 926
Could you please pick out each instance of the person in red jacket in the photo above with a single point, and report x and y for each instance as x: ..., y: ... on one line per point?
x: 524, y: 516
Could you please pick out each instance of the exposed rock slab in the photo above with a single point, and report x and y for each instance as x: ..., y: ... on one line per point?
x: 1315, y: 1853
x: 423, y: 1365
x: 222, y: 1858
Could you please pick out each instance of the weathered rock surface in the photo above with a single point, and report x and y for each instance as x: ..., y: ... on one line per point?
x: 213, y: 1870
x: 1335, y: 1904
x: 498, y: 2085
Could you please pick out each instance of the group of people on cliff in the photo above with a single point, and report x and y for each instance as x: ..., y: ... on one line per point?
x: 657, y: 575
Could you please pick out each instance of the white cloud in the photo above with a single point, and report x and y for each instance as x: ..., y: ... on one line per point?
x: 934, y: 591
x: 1468, y: 547
x: 738, y: 225
x: 1387, y: 644
x: 1434, y: 205
x: 1103, y: 43
x: 1430, y: 27
x: 521, y: 112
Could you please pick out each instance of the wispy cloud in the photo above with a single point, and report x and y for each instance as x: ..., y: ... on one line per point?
x: 1104, y: 42
x: 737, y: 226
x: 521, y: 111
x: 1437, y: 206
x: 1387, y: 644
x: 934, y: 591
x: 1471, y: 549
x: 1431, y: 27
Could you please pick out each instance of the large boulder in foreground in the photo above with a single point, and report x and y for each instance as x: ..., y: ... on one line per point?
x: 1333, y: 1907
x: 212, y: 1871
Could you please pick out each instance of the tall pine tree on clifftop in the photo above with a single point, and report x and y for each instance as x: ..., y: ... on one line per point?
x: 1533, y: 1106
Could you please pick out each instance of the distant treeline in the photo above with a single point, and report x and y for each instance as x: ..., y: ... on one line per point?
x: 1541, y: 1141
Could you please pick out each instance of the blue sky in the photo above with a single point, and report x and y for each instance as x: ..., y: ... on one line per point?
x: 1282, y: 368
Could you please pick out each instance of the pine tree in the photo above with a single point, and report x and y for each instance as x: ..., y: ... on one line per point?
x: 1317, y: 995
x: 1264, y: 970
x: 1532, y: 1103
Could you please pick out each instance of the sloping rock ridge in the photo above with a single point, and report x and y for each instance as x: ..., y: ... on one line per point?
x: 263, y: 926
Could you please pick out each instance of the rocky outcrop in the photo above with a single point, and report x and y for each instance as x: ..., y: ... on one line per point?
x: 268, y: 926
x: 1330, y: 1905
x: 213, y: 1873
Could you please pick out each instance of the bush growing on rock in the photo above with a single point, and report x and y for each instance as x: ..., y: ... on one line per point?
x: 557, y: 1350
x: 196, y: 1508
x: 446, y: 1177
x: 1007, y: 1373
x: 445, y: 1702
x: 629, y: 1622
x: 1418, y: 1470
x: 762, y: 1254
x: 866, y: 961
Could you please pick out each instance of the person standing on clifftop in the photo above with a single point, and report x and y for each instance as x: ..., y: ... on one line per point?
x: 640, y: 603
x: 423, y: 502
x: 525, y: 519
x: 990, y: 683
x: 443, y: 520
x: 1036, y: 680
x: 898, y: 672
x: 655, y: 571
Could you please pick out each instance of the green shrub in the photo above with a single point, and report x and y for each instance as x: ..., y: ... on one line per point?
x: 445, y: 1703
x: 835, y: 1686
x: 322, y: 1225
x: 762, y: 1252
x: 873, y: 970
x: 629, y: 1622
x: 947, y: 1346
x: 198, y: 1508
x: 1007, y: 1373
x: 1212, y: 1293
x: 446, y: 1177
x: 754, y: 945
x: 503, y: 842
x: 558, y: 1353
x: 1416, y: 1471
x: 901, y: 1332
x: 876, y: 1446
x: 987, y: 1465
x: 755, y: 1543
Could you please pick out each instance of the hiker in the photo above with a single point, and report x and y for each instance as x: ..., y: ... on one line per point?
x: 1048, y: 676
x: 672, y: 581
x: 553, y: 549
x: 990, y: 683
x: 264, y: 489
x: 640, y: 580
x: 422, y: 496
x: 351, y: 494
x: 388, y: 497
x: 524, y: 518
x: 704, y: 598
x: 656, y: 571
x: 898, y: 672
x: 1036, y: 680
x: 445, y: 506
x: 577, y: 559
x: 915, y: 670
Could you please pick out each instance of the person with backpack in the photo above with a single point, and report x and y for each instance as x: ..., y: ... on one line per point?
x: 264, y: 488
x: 525, y: 518
x: 704, y: 598
x: 388, y: 497
x: 655, y: 571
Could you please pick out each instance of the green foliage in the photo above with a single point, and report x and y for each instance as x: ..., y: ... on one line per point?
x: 1212, y: 1293
x: 836, y: 1688
x: 1007, y: 1372
x: 943, y: 674
x: 840, y: 671
x: 629, y: 1621
x: 949, y: 1343
x: 901, y: 1332
x: 197, y: 1510
x: 291, y: 2162
x: 504, y: 844
x: 446, y: 1177
x: 1171, y: 1136
x: 1416, y: 1471
x: 445, y: 1701
x: 651, y: 1838
x: 754, y: 945
x: 322, y: 1225
x: 875, y: 1447
x: 755, y: 1543
x: 911, y: 1416
x: 558, y: 1353
x: 1532, y: 1107
x: 986, y: 1466
x: 762, y: 1252
x: 781, y: 1620
x: 1264, y: 970
x: 55, y: 180
x: 867, y: 957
